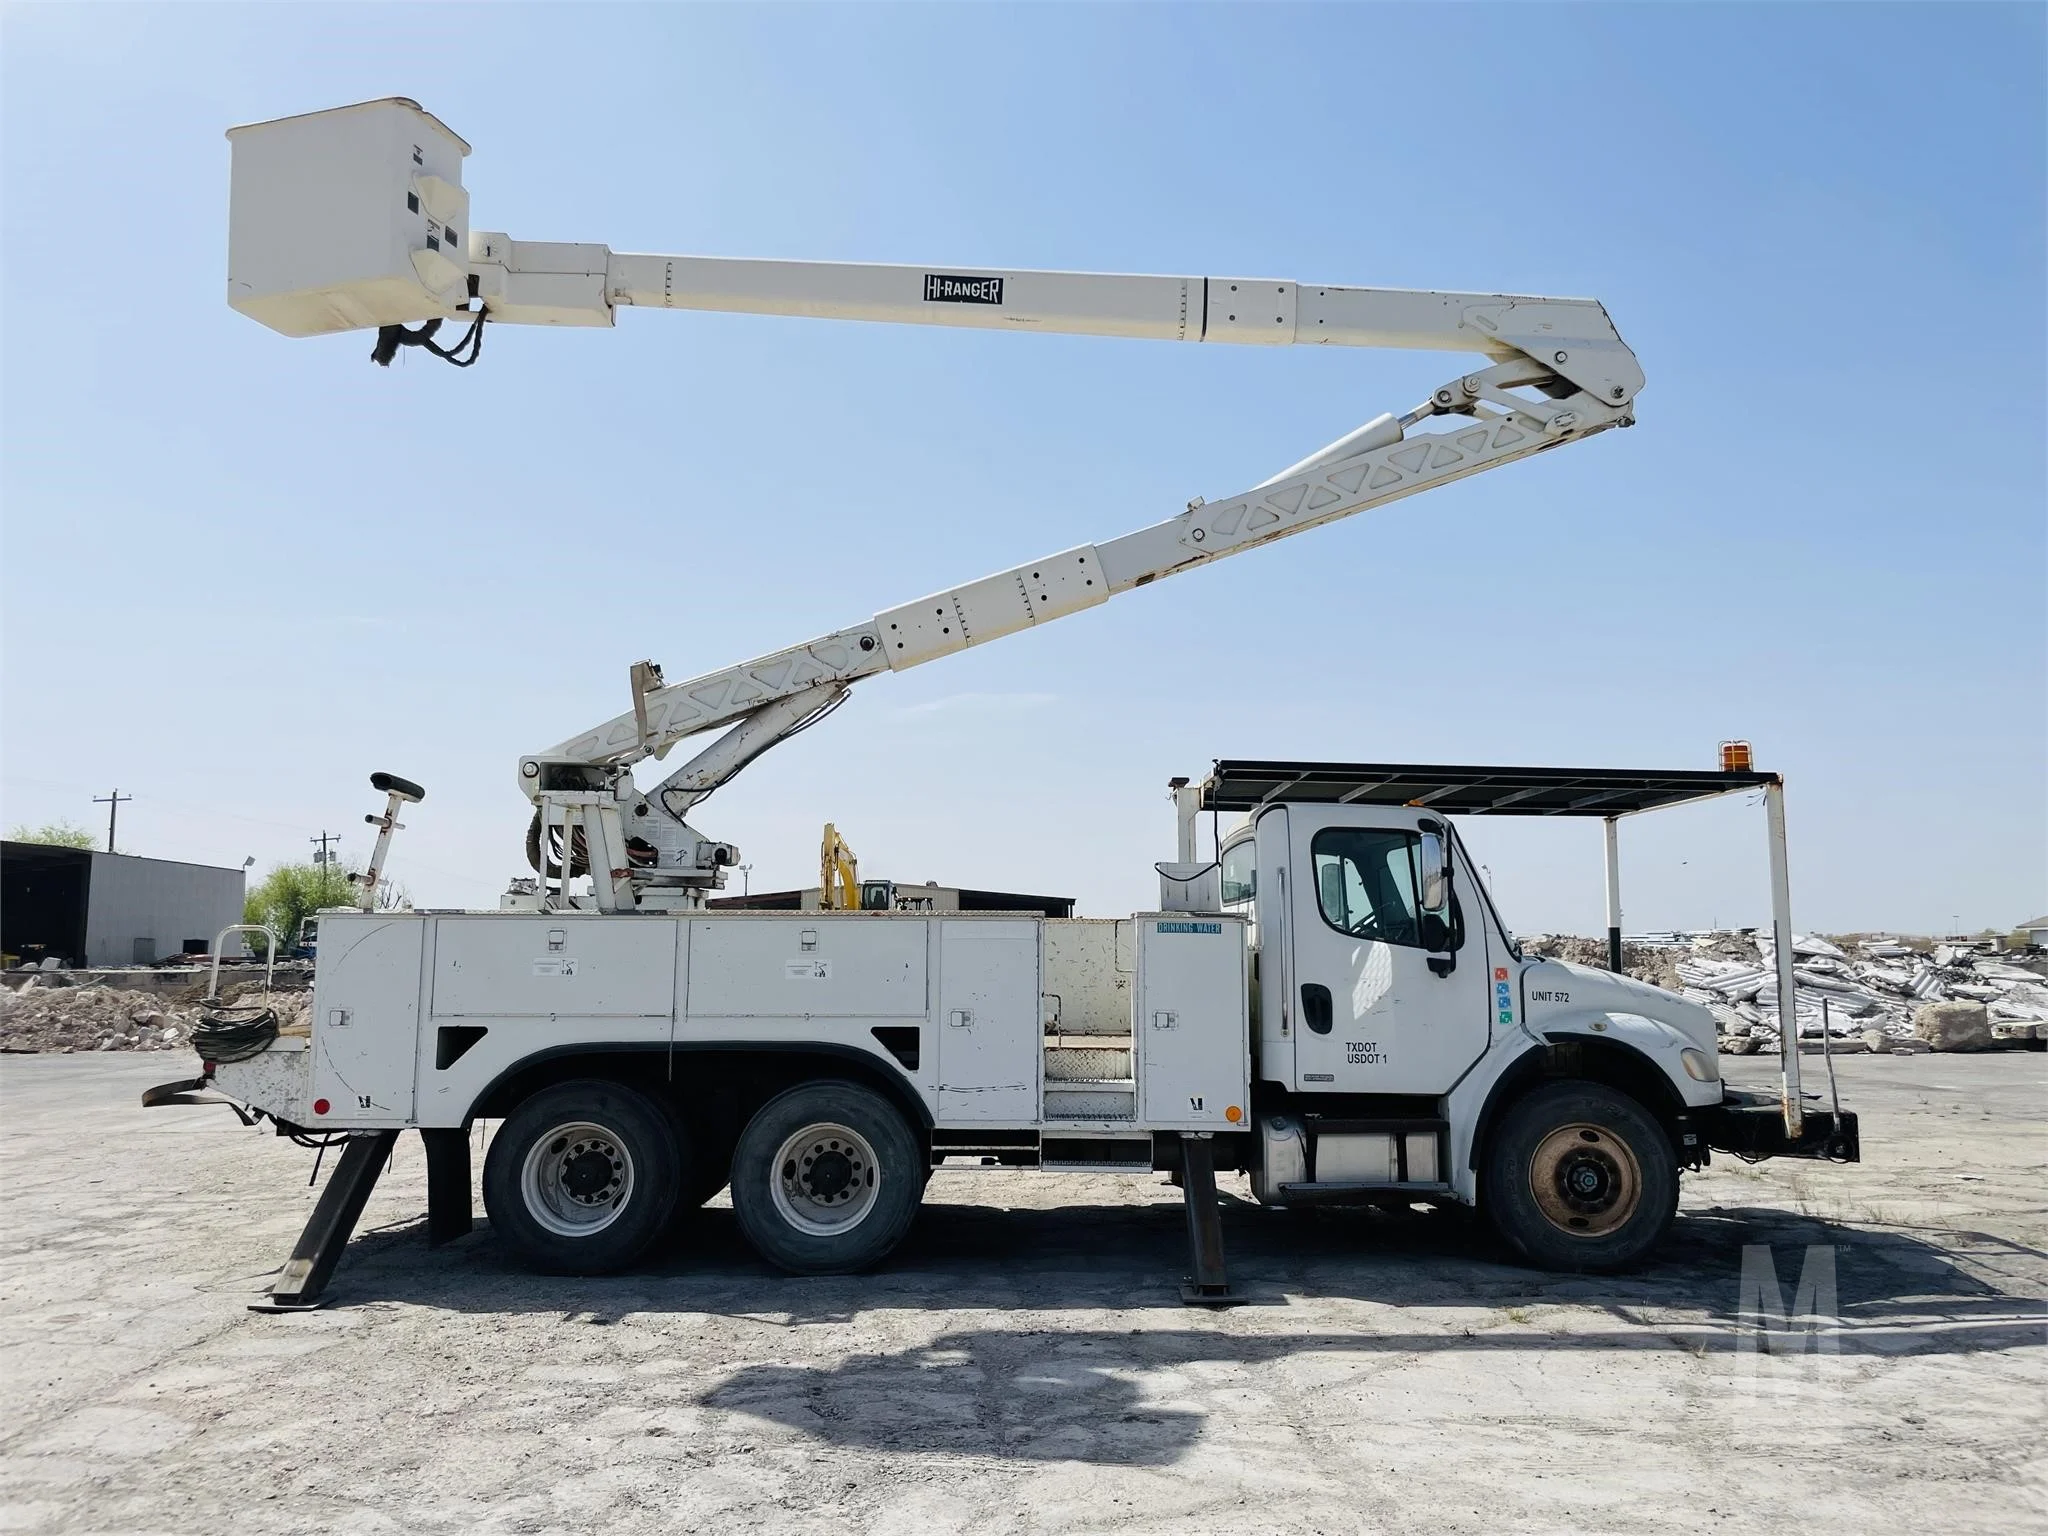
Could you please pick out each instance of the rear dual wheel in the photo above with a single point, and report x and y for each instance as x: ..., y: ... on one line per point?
x: 583, y: 1176
x: 827, y: 1178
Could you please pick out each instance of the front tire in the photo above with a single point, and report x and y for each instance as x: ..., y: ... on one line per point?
x: 1580, y: 1177
x: 582, y: 1177
x: 826, y: 1179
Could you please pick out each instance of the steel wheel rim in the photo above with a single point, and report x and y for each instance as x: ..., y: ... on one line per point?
x: 1585, y: 1180
x: 577, y: 1179
x: 825, y: 1179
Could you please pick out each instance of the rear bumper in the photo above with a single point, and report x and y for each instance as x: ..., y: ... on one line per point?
x: 1751, y: 1125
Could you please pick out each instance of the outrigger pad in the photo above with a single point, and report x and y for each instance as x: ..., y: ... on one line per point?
x: 272, y: 1304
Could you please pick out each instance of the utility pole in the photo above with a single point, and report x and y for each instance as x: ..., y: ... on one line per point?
x: 113, y: 804
x: 323, y: 856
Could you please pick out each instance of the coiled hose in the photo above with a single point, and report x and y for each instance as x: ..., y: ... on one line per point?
x: 234, y: 1033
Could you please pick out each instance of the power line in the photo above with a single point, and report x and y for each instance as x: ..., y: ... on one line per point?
x: 323, y: 856
x: 113, y: 804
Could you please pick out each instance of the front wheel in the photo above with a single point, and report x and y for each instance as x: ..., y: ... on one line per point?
x: 1580, y: 1177
x: 582, y: 1177
x: 826, y: 1179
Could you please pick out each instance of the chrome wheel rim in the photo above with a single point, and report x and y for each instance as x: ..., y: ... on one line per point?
x: 577, y: 1178
x: 1585, y: 1179
x: 825, y: 1179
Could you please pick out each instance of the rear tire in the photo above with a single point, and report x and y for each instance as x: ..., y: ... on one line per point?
x: 826, y: 1179
x: 1580, y: 1177
x: 582, y: 1177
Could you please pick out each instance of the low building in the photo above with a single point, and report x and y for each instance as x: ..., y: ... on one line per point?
x: 105, y: 909
x: 907, y: 898
x: 2036, y: 931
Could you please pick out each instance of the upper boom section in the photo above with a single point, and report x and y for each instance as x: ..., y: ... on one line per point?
x: 356, y: 218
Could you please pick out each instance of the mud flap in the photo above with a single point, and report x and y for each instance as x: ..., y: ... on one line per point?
x: 450, y: 1212
x: 187, y: 1093
x: 176, y: 1093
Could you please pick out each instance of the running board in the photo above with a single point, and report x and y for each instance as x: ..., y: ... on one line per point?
x: 1352, y: 1193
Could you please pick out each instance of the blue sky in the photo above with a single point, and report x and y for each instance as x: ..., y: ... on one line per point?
x: 242, y: 572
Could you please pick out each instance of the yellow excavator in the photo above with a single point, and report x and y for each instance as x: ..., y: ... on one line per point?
x: 838, y: 874
x: 840, y: 887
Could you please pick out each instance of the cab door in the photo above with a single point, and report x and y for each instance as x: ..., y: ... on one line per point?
x: 1388, y: 996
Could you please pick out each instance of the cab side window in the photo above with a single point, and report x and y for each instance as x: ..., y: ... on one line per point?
x: 1366, y: 883
x: 1241, y: 874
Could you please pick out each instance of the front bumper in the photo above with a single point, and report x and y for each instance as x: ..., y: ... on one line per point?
x: 1751, y: 1125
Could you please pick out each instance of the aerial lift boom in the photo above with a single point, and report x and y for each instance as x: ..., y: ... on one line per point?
x: 382, y: 240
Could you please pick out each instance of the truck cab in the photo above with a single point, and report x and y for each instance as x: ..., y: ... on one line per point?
x: 1384, y: 968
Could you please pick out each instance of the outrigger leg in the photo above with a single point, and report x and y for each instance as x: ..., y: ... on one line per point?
x: 1209, y: 1285
x: 311, y: 1266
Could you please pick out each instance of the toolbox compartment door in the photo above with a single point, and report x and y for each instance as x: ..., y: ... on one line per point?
x: 366, y: 1018
x: 989, y: 1038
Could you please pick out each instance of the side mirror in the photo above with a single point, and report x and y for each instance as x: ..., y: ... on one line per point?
x: 1436, y: 885
x: 1438, y: 926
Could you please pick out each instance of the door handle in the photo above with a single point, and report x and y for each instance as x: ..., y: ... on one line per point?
x: 1315, y: 1006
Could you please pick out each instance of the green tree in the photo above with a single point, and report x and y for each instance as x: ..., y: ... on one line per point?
x: 57, y: 834
x: 291, y: 893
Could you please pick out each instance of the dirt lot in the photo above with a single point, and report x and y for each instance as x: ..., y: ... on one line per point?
x: 1023, y: 1364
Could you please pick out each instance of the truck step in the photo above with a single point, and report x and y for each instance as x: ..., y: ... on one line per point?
x: 1098, y: 1154
x: 1092, y: 1029
x: 1086, y: 1063
x: 1114, y: 1099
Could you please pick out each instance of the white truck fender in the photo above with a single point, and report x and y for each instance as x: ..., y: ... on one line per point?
x: 1513, y: 1051
x: 1653, y: 1039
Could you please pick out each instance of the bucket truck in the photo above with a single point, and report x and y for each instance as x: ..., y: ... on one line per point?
x: 1330, y: 1004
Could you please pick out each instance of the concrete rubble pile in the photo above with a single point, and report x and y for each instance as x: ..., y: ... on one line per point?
x: 35, y: 1017
x: 1655, y: 963
x: 1880, y: 994
x: 1883, y: 994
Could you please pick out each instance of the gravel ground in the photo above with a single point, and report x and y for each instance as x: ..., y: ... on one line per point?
x: 1022, y: 1364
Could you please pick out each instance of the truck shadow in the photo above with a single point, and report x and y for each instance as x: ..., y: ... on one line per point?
x: 1897, y: 1290
x: 1131, y: 1384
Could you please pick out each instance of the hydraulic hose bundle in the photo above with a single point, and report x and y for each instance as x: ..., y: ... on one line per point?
x: 231, y: 1033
